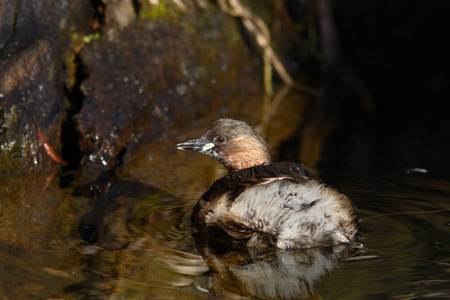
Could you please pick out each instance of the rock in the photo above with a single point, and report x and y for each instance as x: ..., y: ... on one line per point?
x: 34, y: 38
x: 147, y: 70
x: 149, y: 75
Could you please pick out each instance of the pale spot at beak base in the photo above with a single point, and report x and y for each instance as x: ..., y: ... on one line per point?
x: 207, y: 146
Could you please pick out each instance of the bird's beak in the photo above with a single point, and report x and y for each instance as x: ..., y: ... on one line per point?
x: 200, y: 145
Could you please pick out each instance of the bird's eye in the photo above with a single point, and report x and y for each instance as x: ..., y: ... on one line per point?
x: 219, y: 139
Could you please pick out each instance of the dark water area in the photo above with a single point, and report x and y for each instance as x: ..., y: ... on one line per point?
x: 405, y: 221
x: 400, y: 52
x: 126, y: 234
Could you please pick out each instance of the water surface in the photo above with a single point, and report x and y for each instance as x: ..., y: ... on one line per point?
x: 127, y: 236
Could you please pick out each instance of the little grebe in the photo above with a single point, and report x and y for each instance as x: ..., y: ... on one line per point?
x: 281, y: 204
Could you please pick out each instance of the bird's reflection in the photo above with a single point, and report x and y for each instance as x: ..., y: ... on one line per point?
x: 267, y: 274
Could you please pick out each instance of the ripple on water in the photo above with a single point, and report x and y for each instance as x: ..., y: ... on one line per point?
x: 404, y: 221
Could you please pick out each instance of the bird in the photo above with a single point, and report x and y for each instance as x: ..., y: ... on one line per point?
x: 263, y: 204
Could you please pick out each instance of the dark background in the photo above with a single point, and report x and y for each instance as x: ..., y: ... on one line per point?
x: 400, y: 50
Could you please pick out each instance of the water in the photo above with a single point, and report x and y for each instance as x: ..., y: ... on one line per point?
x: 405, y: 220
x: 126, y: 235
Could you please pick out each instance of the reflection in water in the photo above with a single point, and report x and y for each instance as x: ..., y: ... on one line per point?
x: 145, y: 269
x: 269, y: 274
x: 112, y: 203
x: 147, y: 212
x: 135, y: 241
x: 37, y: 220
x: 138, y: 244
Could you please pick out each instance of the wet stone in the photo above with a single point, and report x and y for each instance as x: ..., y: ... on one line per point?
x: 149, y: 77
x: 34, y: 38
